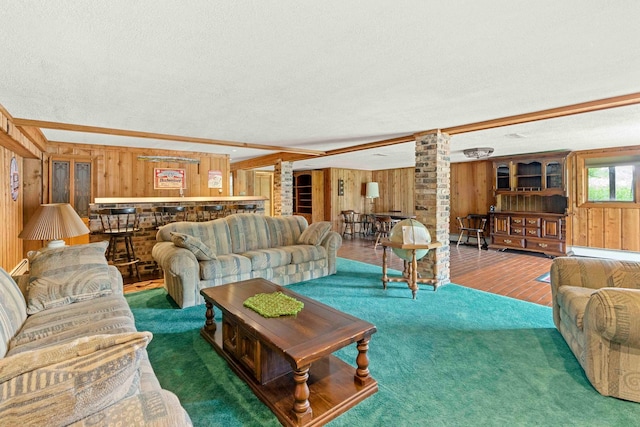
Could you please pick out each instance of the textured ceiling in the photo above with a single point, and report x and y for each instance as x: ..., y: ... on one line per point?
x: 323, y: 75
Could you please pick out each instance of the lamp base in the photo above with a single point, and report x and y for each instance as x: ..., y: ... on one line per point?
x: 53, y: 244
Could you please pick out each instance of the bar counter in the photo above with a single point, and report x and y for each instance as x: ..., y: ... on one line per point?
x: 144, y: 240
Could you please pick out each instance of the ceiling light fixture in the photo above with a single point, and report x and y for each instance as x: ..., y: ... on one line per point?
x: 478, y: 152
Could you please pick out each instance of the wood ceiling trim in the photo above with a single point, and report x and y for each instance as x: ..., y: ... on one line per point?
x: 161, y: 136
x: 269, y: 160
x: 36, y: 136
x: 583, y: 107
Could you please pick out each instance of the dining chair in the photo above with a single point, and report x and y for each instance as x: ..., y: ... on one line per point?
x: 469, y: 224
x: 383, y: 228
x: 348, y: 222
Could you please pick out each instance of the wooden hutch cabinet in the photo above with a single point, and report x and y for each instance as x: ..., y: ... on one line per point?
x: 531, y: 196
x: 308, y: 195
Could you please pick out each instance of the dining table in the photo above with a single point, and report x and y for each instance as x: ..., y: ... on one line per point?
x: 395, y: 214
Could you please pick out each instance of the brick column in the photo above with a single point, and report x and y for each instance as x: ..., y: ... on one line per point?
x: 432, y: 198
x: 283, y: 188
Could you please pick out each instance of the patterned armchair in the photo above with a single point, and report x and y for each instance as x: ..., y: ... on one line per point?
x: 596, y: 308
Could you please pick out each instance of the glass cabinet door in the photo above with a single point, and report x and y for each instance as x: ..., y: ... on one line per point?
x: 71, y: 183
x: 553, y: 172
x: 503, y: 177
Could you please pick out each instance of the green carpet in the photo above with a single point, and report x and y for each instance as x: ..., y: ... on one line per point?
x: 450, y: 358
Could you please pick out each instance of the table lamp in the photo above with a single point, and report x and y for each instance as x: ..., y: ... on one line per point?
x: 54, y: 222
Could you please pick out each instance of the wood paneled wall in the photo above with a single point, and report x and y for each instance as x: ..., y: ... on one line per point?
x: 119, y: 173
x: 397, y: 188
x: 11, y: 213
x: 606, y: 226
x: 355, y: 182
x: 471, y: 190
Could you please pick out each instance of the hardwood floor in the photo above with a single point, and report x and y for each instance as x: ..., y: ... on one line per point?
x: 511, y: 273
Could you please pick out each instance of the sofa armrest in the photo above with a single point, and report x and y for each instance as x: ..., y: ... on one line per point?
x: 593, y: 273
x: 158, y: 408
x: 332, y: 243
x: 181, y: 272
x: 614, y: 314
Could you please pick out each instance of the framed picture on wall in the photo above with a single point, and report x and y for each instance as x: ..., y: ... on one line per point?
x: 165, y: 179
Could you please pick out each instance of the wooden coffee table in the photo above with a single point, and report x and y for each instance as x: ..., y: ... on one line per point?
x: 287, y: 360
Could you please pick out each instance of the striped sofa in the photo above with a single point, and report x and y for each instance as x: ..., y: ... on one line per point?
x: 596, y: 308
x: 78, y: 359
x: 284, y: 250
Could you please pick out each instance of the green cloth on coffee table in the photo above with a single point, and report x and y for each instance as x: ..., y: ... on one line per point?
x: 274, y: 304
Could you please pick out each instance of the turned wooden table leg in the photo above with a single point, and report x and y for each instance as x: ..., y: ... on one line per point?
x: 385, y: 278
x: 301, y: 407
x: 362, y: 360
x: 209, y: 323
x: 413, y: 284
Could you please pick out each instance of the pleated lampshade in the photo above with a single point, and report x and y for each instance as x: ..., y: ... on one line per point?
x: 54, y: 222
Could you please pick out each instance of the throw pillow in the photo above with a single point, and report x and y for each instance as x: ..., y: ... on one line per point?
x: 195, y: 245
x: 64, y: 383
x: 65, y: 275
x: 315, y: 233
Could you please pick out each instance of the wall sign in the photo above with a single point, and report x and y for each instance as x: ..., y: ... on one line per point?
x: 14, y: 179
x: 215, y: 179
x: 169, y: 179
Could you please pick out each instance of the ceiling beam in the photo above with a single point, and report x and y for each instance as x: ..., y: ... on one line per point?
x: 270, y: 159
x: 160, y: 136
x: 36, y: 136
x: 583, y: 107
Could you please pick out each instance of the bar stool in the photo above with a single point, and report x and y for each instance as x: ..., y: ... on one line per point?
x: 209, y: 212
x: 120, y: 224
x: 349, y: 222
x: 245, y: 208
x: 165, y: 214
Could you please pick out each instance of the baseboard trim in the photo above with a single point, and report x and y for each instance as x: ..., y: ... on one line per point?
x: 605, y: 253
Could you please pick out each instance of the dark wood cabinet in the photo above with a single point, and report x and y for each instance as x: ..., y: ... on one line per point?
x: 535, y: 231
x: 531, y: 203
x: 543, y: 174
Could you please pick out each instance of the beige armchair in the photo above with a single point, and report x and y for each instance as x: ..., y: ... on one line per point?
x: 596, y: 308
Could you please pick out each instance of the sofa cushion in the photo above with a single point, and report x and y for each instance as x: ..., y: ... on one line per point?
x: 13, y: 310
x: 248, y: 232
x: 315, y: 233
x: 268, y: 258
x: 62, y: 384
x: 573, y: 301
x: 305, y: 253
x: 214, y: 234
x: 285, y: 230
x: 157, y: 408
x: 195, y: 245
x: 225, y: 265
x: 106, y: 315
x: 65, y: 275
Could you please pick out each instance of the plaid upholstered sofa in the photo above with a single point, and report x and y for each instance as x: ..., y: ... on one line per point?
x: 69, y: 350
x: 284, y: 250
x: 596, y: 308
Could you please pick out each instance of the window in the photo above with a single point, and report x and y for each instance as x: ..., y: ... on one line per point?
x: 612, y: 179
